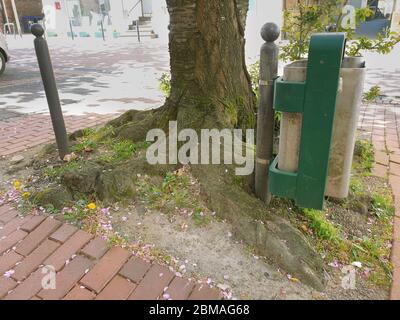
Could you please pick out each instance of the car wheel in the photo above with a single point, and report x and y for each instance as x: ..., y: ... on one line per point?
x: 2, y: 63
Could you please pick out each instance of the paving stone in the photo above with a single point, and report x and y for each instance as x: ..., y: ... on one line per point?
x: 394, y: 169
x: 395, y: 184
x: 382, y: 158
x: 8, y: 216
x: 119, y: 288
x: 7, y: 242
x: 96, y: 248
x: 28, y: 288
x: 17, y: 159
x: 8, y: 260
x: 106, y: 269
x: 395, y: 290
x: 6, y: 284
x: 395, y: 158
x: 27, y: 134
x: 36, y: 258
x: 63, y: 233
x: 67, y: 278
x: 153, y: 284
x: 30, y: 225
x: 46, y: 228
x: 135, y: 269
x: 180, y: 289
x: 380, y: 171
x: 13, y: 225
x: 204, y: 292
x: 68, y: 249
x: 4, y: 209
x: 78, y: 293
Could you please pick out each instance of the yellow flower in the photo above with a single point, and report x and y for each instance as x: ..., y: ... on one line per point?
x: 92, y: 206
x: 17, y: 185
x: 26, y: 195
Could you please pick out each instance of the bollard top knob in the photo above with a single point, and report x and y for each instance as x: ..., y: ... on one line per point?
x: 37, y: 30
x: 270, y: 32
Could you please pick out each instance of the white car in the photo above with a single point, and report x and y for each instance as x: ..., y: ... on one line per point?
x: 4, y: 54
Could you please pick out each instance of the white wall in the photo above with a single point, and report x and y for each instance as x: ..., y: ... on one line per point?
x: 59, y: 22
x: 261, y: 12
x: 160, y: 19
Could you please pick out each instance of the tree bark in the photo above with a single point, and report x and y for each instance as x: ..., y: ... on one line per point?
x: 210, y: 85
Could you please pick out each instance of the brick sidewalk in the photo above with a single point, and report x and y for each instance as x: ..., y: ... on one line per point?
x: 26, y: 243
x: 379, y: 124
x: 20, y: 133
x: 87, y: 268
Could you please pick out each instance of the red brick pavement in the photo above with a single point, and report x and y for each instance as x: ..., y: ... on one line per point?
x: 28, y: 242
x: 87, y: 268
x: 24, y: 132
x: 380, y: 124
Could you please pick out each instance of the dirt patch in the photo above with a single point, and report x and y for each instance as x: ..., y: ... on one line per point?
x: 211, y: 251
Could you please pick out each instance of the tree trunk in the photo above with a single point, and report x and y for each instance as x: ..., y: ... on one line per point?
x: 210, y: 85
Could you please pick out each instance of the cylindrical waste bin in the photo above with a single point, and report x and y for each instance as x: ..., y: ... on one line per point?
x: 344, y: 128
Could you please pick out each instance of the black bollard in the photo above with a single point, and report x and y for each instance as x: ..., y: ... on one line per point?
x: 50, y: 88
x: 72, y: 30
x: 269, y: 59
x: 102, y: 30
x: 138, y: 30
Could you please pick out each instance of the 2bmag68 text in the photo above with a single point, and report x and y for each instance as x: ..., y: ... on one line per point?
x: 201, y: 310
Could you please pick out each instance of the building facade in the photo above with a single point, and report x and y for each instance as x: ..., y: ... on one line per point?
x: 86, y: 15
x: 24, y: 12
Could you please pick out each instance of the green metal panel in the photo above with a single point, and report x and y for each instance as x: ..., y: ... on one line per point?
x: 323, y: 75
x: 289, y: 96
x: 282, y: 184
x: 318, y: 104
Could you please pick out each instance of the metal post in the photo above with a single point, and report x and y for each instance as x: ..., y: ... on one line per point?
x: 50, y: 88
x: 138, y: 30
x: 5, y: 12
x: 72, y: 30
x: 269, y: 58
x: 69, y: 20
x: 16, y: 17
x: 102, y: 29
x: 142, y: 7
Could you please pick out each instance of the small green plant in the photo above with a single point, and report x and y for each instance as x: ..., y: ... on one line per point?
x: 171, y: 194
x: 365, y: 151
x: 382, y: 205
x: 165, y: 83
x: 356, y: 186
x: 254, y: 71
x: 200, y: 218
x: 117, y: 151
x: 322, y: 227
x: 124, y: 149
x: 51, y: 209
x: 383, y: 44
x: 373, y: 93
x: 54, y: 173
x: 309, y: 18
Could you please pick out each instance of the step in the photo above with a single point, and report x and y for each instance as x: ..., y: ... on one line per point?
x: 134, y: 35
x: 145, y: 18
x: 133, y: 28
